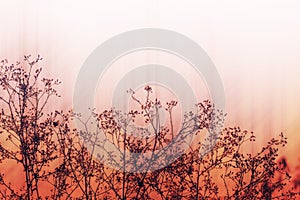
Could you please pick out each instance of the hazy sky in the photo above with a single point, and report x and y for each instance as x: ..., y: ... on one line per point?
x: 255, y: 46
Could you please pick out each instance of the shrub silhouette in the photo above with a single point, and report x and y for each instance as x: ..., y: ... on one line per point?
x: 58, y: 161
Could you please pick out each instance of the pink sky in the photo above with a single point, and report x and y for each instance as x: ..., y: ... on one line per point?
x: 254, y: 44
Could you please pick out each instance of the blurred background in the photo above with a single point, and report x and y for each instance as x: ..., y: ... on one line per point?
x: 255, y: 46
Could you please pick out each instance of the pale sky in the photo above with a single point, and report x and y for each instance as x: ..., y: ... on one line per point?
x: 255, y: 46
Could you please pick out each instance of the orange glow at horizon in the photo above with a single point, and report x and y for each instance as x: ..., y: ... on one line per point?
x: 254, y: 45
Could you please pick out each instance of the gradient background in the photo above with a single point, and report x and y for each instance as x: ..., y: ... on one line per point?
x: 255, y: 46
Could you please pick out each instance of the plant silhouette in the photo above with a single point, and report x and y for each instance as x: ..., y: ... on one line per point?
x: 159, y: 160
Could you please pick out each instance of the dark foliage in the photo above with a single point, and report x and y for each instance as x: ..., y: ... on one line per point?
x: 57, y: 161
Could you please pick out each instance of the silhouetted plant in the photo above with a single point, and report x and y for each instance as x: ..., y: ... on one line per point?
x: 26, y: 133
x: 161, y: 160
x: 197, y: 172
x: 296, y: 180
